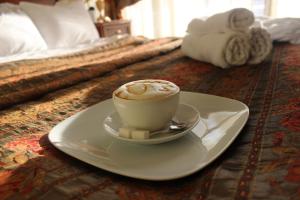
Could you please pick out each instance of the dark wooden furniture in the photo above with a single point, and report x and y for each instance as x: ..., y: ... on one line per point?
x: 115, y: 27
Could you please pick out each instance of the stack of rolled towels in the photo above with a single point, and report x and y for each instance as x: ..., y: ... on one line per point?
x: 227, y: 39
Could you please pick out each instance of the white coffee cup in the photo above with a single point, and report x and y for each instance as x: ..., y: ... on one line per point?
x: 146, y: 104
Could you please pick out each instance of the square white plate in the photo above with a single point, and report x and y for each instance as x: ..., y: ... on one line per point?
x: 83, y: 136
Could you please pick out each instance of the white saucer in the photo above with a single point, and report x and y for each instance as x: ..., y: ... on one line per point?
x: 84, y: 137
x: 185, y: 114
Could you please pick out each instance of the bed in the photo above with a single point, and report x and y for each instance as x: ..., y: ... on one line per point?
x: 36, y: 94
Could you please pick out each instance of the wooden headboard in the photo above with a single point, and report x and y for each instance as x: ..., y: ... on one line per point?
x: 48, y: 2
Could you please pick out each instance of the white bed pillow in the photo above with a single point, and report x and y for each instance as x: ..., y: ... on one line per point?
x: 66, y: 24
x: 18, y: 34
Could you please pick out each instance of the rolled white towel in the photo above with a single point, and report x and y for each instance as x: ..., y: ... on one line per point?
x: 261, y: 45
x: 238, y: 19
x: 196, y: 27
x: 221, y: 49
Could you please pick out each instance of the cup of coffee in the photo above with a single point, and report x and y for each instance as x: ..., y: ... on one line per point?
x: 146, y: 104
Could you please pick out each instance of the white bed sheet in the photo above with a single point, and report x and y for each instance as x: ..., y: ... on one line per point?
x: 281, y: 29
x: 61, y: 51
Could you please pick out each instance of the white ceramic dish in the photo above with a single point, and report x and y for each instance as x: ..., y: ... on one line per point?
x: 185, y: 114
x: 83, y: 137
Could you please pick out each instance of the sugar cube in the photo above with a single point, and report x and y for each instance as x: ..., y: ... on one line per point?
x: 140, y: 134
x: 125, y: 132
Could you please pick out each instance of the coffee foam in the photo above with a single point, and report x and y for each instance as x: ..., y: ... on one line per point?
x: 146, y: 89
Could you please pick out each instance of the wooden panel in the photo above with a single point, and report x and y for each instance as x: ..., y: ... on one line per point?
x: 115, y: 27
x: 48, y: 2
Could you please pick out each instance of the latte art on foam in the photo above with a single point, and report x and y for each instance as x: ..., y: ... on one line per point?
x: 146, y: 89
